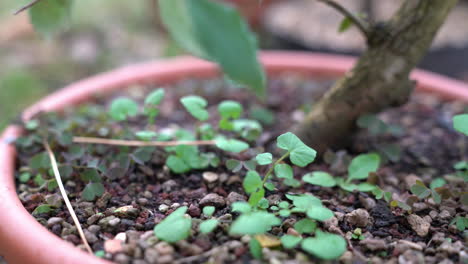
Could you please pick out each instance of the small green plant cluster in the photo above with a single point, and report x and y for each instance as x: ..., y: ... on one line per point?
x: 359, y: 169
x: 184, y: 158
x: 257, y: 217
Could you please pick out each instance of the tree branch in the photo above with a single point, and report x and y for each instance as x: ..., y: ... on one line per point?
x: 27, y: 6
x: 360, y: 23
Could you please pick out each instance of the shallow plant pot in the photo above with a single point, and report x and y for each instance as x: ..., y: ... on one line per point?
x: 24, y: 240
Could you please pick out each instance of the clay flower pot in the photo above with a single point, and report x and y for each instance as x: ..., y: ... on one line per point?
x: 24, y: 240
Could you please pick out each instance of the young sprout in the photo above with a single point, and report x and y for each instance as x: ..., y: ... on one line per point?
x: 122, y: 108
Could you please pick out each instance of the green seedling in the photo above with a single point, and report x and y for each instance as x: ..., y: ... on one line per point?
x: 229, y: 111
x: 359, y: 169
x: 357, y: 234
x: 94, y: 188
x: 152, y: 101
x: 174, y: 227
x: 460, y: 123
x: 252, y: 222
x: 299, y: 154
x: 196, y: 106
x: 460, y: 222
x: 123, y: 108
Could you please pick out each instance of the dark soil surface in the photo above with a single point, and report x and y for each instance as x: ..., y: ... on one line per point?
x: 140, y: 194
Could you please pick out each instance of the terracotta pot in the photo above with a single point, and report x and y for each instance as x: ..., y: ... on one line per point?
x: 24, y: 240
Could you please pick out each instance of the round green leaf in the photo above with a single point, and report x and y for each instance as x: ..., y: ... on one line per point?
x: 121, y: 108
x: 230, y: 109
x: 460, y: 123
x: 319, y: 213
x: 241, y: 207
x: 174, y: 227
x: 264, y: 158
x: 254, y: 223
x: 283, y: 171
x: 305, y: 226
x: 289, y: 241
x: 362, y: 165
x: 320, y: 178
x: 252, y: 182
x: 208, y: 226
x: 208, y: 210
x: 325, y: 245
x: 92, y: 190
x: 154, y: 98
x: 231, y: 145
x: 300, y: 154
x: 195, y: 105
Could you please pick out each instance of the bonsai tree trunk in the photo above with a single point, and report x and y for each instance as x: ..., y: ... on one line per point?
x: 380, y: 79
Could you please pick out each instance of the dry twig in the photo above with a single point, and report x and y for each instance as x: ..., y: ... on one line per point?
x: 137, y: 143
x: 53, y: 162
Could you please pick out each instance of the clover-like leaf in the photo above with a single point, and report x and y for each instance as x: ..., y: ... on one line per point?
x: 230, y: 109
x: 208, y: 226
x: 176, y: 164
x: 43, y: 208
x: 362, y: 165
x: 300, y: 154
x: 325, y: 245
x: 122, y: 108
x: 196, y: 105
x: 241, y: 207
x: 304, y: 201
x: 252, y: 182
x: 92, y: 190
x: 320, y: 178
x: 283, y: 171
x: 460, y: 123
x: 420, y: 190
x: 254, y: 223
x: 154, y: 98
x: 289, y: 241
x: 208, y: 210
x: 264, y: 158
x: 319, y: 213
x: 174, y: 227
x: 231, y: 145
x: 305, y: 226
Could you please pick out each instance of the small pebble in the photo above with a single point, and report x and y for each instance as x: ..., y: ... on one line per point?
x: 113, y: 246
x: 235, y: 197
x: 151, y: 255
x: 359, y: 218
x: 121, y: 236
x: 212, y: 199
x: 163, y: 208
x: 373, y: 244
x: 54, y: 220
x: 419, y: 225
x: 210, y: 177
x: 164, y: 248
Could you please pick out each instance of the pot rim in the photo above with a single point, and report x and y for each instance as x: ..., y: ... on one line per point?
x: 30, y: 242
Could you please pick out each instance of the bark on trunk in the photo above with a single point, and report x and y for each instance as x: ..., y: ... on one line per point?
x: 380, y: 79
